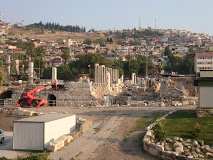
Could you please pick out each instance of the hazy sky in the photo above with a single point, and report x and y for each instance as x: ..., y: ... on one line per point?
x: 193, y: 15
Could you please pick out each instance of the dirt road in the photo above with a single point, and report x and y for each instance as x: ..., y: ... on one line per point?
x: 108, y: 138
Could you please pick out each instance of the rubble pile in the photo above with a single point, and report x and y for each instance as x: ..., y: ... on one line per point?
x: 155, y: 92
x: 18, y: 112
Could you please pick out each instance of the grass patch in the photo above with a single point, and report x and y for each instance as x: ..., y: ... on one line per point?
x: 97, y: 129
x: 182, y: 124
x: 146, y: 120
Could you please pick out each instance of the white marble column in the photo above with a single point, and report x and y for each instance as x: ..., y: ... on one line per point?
x: 96, y: 73
x: 30, y: 72
x: 54, y: 74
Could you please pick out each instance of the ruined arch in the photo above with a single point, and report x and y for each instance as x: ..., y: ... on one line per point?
x: 51, y: 100
x: 6, y: 94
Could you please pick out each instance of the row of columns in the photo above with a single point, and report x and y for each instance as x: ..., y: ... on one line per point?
x: 104, y: 75
x: 31, y: 73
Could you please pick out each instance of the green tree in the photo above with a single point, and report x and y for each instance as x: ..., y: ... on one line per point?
x: 64, y: 72
x: 101, y: 41
x: 145, y: 62
x: 65, y: 55
x: 3, y: 77
x: 47, y: 74
x: 167, y: 51
x: 188, y: 63
x: 88, y: 41
x: 132, y: 43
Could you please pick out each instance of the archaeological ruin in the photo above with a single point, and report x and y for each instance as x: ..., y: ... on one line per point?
x: 109, y: 89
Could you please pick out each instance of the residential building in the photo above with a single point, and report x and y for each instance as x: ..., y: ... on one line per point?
x: 203, y: 61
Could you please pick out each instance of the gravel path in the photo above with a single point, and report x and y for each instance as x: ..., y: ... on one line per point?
x: 105, y: 140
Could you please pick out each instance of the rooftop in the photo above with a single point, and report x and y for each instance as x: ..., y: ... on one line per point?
x: 205, y: 54
x: 45, y: 118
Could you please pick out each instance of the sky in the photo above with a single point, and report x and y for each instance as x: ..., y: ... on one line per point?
x: 191, y: 15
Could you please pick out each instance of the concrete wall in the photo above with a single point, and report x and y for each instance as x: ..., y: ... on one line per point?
x: 57, y: 128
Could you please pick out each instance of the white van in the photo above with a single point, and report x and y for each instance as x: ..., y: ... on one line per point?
x: 1, y: 136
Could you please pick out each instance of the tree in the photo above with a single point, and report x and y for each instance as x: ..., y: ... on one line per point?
x: 3, y: 77
x: 101, y: 41
x: 64, y: 72
x: 47, y: 74
x: 145, y: 62
x: 65, y: 55
x: 188, y: 63
x: 167, y: 51
x: 88, y: 41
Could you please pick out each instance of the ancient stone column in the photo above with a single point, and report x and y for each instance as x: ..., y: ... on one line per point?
x: 116, y: 76
x: 30, y: 72
x: 96, y: 73
x: 99, y: 75
x: 17, y: 66
x: 108, y: 79
x: 133, y: 78
x: 54, y: 74
x: 111, y: 76
x: 102, y: 74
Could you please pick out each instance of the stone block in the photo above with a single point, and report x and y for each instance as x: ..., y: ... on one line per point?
x: 52, y: 147
x: 209, y: 149
x: 145, y: 147
x: 166, y: 153
x: 185, y: 102
x: 159, y: 148
x: 4, y: 110
x: 59, y: 142
x: 192, y: 102
x: 20, y: 113
x: 29, y: 113
x: 85, y: 126
x: 154, y: 152
x: 179, y: 149
x: 181, y: 157
x: 168, y: 158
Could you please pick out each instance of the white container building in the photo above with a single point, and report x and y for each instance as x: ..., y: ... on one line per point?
x: 35, y: 133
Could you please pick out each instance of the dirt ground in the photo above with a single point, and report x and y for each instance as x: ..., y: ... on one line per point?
x: 107, y: 139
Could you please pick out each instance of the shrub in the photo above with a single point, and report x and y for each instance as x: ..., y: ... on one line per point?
x: 196, y: 132
x: 159, y: 133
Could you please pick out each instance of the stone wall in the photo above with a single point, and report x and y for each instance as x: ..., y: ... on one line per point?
x: 82, y: 92
x: 204, y: 112
x: 9, y: 114
x: 176, y: 149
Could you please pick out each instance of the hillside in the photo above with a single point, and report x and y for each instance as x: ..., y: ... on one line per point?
x: 47, y: 35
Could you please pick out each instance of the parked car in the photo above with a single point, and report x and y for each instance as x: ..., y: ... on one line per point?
x: 1, y: 136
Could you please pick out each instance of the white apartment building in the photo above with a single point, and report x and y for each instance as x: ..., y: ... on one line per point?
x: 203, y: 61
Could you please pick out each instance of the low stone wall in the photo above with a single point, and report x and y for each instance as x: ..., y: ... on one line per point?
x: 176, y: 149
x: 9, y: 114
x: 64, y: 140
x: 204, y: 112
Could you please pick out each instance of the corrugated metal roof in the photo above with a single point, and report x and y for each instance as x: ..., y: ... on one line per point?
x: 45, y: 118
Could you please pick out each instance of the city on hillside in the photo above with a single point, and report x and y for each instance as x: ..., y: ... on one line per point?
x: 68, y: 92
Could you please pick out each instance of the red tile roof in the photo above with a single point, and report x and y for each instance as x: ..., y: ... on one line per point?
x: 204, y: 54
x: 112, y: 45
